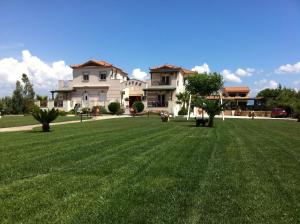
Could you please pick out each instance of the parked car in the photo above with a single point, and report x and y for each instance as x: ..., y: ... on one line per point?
x: 278, y: 112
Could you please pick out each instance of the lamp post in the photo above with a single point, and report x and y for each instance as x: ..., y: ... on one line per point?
x: 221, y: 100
x: 189, y: 106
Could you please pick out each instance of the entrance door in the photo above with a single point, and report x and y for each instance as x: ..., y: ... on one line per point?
x: 161, y: 100
x: 132, y: 99
x: 85, y: 99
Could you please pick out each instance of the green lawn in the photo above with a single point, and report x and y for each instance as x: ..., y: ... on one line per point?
x: 14, y: 121
x: 139, y: 170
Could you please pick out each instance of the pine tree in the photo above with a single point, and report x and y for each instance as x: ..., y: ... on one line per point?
x: 17, y: 99
x: 28, y: 94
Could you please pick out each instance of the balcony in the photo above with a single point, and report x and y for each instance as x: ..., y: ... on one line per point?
x: 160, y: 83
x: 157, y: 104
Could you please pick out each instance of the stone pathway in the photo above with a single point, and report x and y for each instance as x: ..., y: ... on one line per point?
x: 30, y: 127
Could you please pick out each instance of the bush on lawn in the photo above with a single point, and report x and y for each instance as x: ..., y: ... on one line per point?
x: 114, y: 107
x: 138, y: 106
x: 86, y: 110
x: 183, y: 111
x: 120, y: 111
x: 45, y: 117
x: 103, y: 110
x: 71, y: 112
x: 62, y: 113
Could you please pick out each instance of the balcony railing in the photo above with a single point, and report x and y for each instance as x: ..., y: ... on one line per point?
x: 160, y: 83
x: 157, y: 104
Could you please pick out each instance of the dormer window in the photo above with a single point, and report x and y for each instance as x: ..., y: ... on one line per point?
x: 86, y: 76
x: 102, y: 76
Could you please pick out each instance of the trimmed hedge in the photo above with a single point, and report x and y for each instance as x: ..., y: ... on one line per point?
x: 114, y: 107
x: 183, y: 111
x: 138, y: 106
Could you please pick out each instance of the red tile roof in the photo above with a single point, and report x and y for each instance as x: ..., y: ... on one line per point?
x: 97, y: 63
x: 240, y: 89
x: 172, y: 67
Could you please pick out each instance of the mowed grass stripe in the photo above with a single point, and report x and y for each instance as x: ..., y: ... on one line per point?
x: 123, y: 169
x: 162, y: 173
x: 142, y: 177
x: 79, y: 146
x: 271, y: 169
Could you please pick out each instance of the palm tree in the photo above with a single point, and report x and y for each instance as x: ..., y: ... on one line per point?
x: 212, y: 108
x: 43, y: 100
x: 45, y: 117
x: 183, y: 99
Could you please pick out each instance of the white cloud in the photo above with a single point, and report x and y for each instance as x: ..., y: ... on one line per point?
x: 137, y: 73
x: 263, y: 84
x: 201, y: 68
x: 43, y: 76
x: 230, y: 77
x: 288, y: 68
x: 244, y: 72
x: 236, y: 76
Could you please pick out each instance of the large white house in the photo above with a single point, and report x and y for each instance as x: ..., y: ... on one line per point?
x: 165, y: 83
x: 96, y: 83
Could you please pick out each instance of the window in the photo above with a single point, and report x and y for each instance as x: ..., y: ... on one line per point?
x: 85, y: 76
x: 102, y: 76
x: 165, y: 80
x: 102, y: 96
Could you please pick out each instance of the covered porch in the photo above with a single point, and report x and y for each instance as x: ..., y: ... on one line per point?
x: 158, y: 98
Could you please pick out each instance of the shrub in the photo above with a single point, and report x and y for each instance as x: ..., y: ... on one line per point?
x: 114, y: 107
x: 86, y: 110
x: 103, y: 110
x: 183, y: 111
x: 45, y: 117
x: 138, y: 106
x: 62, y: 113
x: 120, y: 111
x: 71, y: 111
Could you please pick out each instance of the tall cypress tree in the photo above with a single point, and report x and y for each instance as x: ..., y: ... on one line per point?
x: 28, y: 94
x: 17, y: 99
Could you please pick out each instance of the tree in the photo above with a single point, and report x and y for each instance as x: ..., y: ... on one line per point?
x: 296, y: 109
x: 138, y: 106
x: 212, y: 108
x: 203, y: 85
x: 45, y: 117
x: 280, y: 97
x: 18, y: 99
x: 183, y: 99
x: 6, y: 105
x: 43, y: 100
x: 28, y: 94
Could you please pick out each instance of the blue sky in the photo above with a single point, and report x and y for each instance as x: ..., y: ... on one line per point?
x: 228, y: 35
